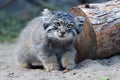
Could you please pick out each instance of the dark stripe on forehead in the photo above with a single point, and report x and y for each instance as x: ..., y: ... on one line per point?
x: 63, y: 14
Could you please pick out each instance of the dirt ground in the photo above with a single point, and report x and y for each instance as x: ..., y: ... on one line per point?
x: 106, y: 69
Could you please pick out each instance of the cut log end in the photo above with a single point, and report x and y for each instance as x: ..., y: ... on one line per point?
x: 101, y: 35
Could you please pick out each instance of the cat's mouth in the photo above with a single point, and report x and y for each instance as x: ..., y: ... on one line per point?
x: 62, y: 36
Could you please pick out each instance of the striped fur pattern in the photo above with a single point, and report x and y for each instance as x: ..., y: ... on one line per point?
x: 47, y: 40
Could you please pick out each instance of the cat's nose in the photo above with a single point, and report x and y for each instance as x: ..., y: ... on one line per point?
x: 62, y: 32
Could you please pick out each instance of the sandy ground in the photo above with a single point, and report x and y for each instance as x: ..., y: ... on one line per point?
x: 86, y: 70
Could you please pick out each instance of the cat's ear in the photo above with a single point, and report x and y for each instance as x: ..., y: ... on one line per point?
x: 79, y: 20
x: 47, y: 16
x: 46, y: 13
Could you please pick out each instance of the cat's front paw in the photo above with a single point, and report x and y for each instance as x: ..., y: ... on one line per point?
x: 70, y: 66
x: 52, y: 66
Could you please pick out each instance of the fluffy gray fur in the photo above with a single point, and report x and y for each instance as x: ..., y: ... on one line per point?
x: 40, y: 43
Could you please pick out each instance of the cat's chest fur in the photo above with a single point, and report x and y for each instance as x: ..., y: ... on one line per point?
x: 56, y: 48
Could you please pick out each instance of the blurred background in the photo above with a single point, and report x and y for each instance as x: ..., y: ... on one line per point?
x: 14, y: 14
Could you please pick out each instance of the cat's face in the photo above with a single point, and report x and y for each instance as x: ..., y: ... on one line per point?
x: 63, y: 26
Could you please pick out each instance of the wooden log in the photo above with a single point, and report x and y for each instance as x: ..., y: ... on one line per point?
x: 86, y: 43
x: 101, y: 35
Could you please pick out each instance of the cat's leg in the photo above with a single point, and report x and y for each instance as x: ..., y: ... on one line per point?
x: 23, y: 57
x: 68, y: 59
x: 49, y: 62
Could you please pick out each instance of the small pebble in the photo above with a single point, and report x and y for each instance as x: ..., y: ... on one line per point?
x: 74, y: 73
x: 10, y: 74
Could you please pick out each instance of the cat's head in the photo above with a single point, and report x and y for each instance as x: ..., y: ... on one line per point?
x: 63, y: 26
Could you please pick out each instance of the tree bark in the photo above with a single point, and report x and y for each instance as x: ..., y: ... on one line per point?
x: 101, y: 35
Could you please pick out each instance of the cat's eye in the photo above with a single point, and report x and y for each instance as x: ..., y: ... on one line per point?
x: 70, y: 25
x: 57, y: 23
